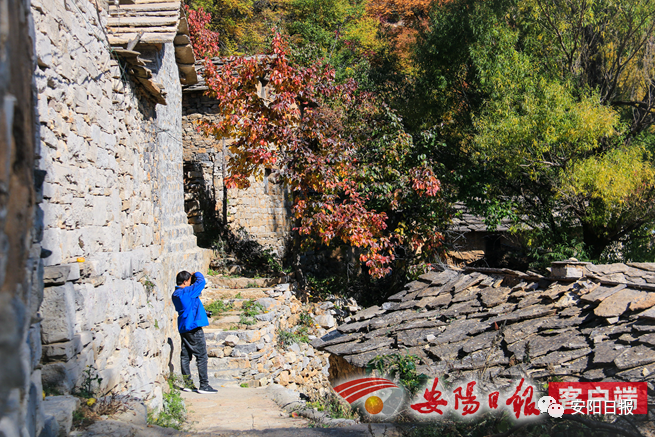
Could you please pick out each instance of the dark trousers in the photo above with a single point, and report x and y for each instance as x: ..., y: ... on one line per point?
x: 193, y: 344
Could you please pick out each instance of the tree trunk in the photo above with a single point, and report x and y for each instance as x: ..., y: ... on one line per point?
x: 295, y: 263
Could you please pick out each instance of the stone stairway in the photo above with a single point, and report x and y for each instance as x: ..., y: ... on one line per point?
x: 259, y: 378
x: 251, y: 355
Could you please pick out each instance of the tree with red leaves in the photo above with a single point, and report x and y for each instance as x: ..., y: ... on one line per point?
x: 205, y: 42
x: 347, y: 165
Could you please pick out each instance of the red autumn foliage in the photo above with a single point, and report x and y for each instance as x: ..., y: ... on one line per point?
x: 205, y: 42
x: 299, y: 125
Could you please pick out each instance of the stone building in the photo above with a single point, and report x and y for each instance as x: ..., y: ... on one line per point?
x: 263, y: 211
x: 108, y: 152
x: 472, y: 241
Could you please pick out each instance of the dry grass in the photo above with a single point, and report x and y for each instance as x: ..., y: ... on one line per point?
x: 92, y: 410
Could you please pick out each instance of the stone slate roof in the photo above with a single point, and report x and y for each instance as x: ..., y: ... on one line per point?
x: 158, y: 21
x: 201, y: 85
x: 506, y: 324
x: 464, y: 221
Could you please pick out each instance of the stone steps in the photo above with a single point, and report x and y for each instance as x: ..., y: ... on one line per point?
x: 212, y: 293
x: 246, y: 283
x: 251, y: 356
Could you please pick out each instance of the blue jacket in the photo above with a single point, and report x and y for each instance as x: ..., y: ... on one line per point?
x: 190, y: 312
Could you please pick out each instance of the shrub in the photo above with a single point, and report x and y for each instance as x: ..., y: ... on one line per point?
x: 173, y: 413
x: 402, y: 367
x: 334, y: 407
x: 90, y: 380
x: 218, y: 307
x: 306, y: 319
x: 287, y: 337
x: 249, y: 310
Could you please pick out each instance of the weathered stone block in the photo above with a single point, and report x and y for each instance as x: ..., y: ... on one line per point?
x: 61, y: 408
x: 645, y: 302
x: 58, y: 311
x: 268, y: 303
x: 55, y: 376
x: 635, y: 356
x: 326, y: 321
x: 482, y: 341
x: 216, y: 353
x: 60, y: 274
x: 618, y: 303
x: 435, y: 302
x: 231, y: 340
x: 373, y: 344
x: 63, y: 351
x: 243, y: 350
x: 43, y: 50
x: 267, y: 317
x: 368, y: 313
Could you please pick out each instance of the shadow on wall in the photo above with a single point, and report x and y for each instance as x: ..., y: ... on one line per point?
x: 200, y: 205
x: 171, y: 367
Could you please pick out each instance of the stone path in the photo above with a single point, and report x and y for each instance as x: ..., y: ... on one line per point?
x: 236, y: 408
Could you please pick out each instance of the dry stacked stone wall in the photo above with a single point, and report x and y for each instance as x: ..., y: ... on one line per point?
x: 115, y: 228
x: 262, y: 211
x: 258, y: 356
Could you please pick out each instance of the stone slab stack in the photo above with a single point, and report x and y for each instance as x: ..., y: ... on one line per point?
x: 256, y: 357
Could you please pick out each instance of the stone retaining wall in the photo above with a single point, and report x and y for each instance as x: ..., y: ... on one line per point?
x: 263, y: 211
x: 115, y: 228
x: 256, y: 356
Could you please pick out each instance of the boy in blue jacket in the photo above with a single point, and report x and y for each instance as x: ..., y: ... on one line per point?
x: 191, y: 317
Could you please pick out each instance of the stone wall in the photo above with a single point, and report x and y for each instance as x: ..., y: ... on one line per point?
x: 115, y: 228
x: 20, y: 228
x: 263, y: 211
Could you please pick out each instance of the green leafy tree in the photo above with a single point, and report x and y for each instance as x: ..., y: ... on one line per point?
x: 546, y: 108
x: 338, y: 31
x: 244, y: 25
